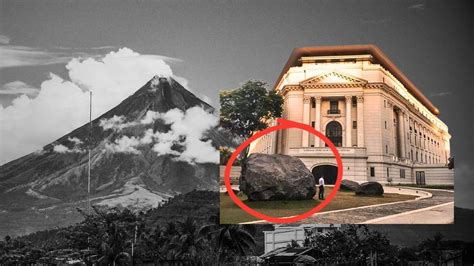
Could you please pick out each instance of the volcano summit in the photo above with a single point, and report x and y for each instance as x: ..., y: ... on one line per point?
x: 159, y: 142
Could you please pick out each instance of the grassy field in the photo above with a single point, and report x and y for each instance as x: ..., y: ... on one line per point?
x: 230, y: 213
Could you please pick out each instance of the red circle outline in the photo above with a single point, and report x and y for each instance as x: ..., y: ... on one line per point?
x: 283, y: 124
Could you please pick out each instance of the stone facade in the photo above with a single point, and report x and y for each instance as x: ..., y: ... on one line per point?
x: 384, y: 128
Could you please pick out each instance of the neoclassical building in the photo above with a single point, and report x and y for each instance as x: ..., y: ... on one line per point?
x: 384, y: 127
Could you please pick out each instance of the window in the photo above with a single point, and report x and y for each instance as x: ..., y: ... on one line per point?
x: 385, y: 124
x: 388, y: 172
x: 386, y: 149
x: 334, y: 133
x: 333, y: 107
x: 313, y: 103
x: 354, y: 101
x: 313, y: 124
x: 384, y: 103
x: 354, y: 124
x: 402, y: 173
x: 372, y: 171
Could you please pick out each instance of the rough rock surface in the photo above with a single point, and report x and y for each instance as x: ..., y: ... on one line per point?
x: 276, y: 177
x: 370, y: 189
x: 349, y: 185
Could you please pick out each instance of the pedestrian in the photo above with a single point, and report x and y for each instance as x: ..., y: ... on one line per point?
x: 321, y: 188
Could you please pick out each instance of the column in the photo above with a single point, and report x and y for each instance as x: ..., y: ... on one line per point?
x: 401, y: 133
x: 348, y: 121
x: 306, y: 118
x: 317, y: 123
x: 360, y: 121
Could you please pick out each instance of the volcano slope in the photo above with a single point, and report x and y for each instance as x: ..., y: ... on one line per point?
x: 143, y: 151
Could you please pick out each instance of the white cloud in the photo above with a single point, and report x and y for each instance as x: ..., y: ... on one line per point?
x: 187, y: 130
x: 4, y: 39
x: 116, y: 123
x: 124, y: 144
x: 18, y: 87
x: 75, y: 140
x: 63, y: 149
x: 441, y: 94
x: 14, y: 56
x: 420, y: 6
x: 63, y: 105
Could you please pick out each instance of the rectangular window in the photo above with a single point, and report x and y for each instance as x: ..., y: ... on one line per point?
x: 388, y: 172
x: 313, y: 103
x: 385, y: 124
x: 333, y: 107
x: 313, y: 124
x: 402, y: 173
x: 354, y: 101
x: 386, y: 149
x: 354, y: 124
x: 384, y: 103
x: 420, y: 178
x: 372, y: 171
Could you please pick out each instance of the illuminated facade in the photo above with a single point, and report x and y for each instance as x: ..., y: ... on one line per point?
x: 384, y: 127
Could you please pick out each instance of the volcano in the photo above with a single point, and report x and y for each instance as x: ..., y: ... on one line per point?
x: 43, y: 189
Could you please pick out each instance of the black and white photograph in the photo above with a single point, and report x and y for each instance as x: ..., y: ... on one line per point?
x: 236, y: 132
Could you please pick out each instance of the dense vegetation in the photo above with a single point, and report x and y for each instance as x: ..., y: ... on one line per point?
x: 183, y: 230
x: 356, y: 244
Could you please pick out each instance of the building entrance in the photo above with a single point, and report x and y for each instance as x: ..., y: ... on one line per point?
x: 329, y: 172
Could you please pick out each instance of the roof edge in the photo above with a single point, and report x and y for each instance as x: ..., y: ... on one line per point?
x: 378, y: 55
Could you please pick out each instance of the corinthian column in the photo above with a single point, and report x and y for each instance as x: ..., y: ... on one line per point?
x: 348, y: 121
x: 317, y: 124
x: 401, y: 133
x: 360, y: 121
x: 306, y: 117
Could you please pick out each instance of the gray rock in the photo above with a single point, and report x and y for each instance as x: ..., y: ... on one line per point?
x: 349, y: 185
x: 370, y: 189
x: 276, y: 177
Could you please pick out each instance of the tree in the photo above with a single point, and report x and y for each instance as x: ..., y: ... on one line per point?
x: 431, y: 249
x: 229, y: 241
x: 352, y: 244
x: 248, y: 109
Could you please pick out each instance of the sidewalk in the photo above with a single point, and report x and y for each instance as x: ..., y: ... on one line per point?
x: 439, y: 214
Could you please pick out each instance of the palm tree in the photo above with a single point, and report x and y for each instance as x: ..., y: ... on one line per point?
x: 234, y: 238
x: 431, y: 248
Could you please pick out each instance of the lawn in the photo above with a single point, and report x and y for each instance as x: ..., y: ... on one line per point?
x: 230, y: 213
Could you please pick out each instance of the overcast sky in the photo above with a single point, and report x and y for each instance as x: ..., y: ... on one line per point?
x: 214, y: 45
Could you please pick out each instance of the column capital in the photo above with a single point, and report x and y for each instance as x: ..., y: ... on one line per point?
x: 360, y: 98
x: 348, y: 97
x: 306, y: 99
x: 318, y: 99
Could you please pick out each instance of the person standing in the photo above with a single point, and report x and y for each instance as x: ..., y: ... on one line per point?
x: 321, y: 188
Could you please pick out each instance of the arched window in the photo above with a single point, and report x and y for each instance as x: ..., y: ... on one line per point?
x: 334, y: 133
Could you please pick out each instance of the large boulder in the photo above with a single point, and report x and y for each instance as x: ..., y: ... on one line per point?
x: 276, y: 177
x: 349, y: 185
x: 370, y: 189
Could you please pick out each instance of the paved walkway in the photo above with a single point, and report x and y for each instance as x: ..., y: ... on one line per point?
x: 439, y: 214
x: 394, y: 212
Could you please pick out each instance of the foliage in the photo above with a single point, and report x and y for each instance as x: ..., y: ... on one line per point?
x: 231, y: 241
x: 107, y: 234
x: 225, y: 154
x: 247, y: 109
x: 353, y: 243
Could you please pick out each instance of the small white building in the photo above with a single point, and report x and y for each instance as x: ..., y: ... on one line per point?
x: 385, y: 129
x: 285, y: 233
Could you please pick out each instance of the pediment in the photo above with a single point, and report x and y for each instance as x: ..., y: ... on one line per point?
x: 333, y: 78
